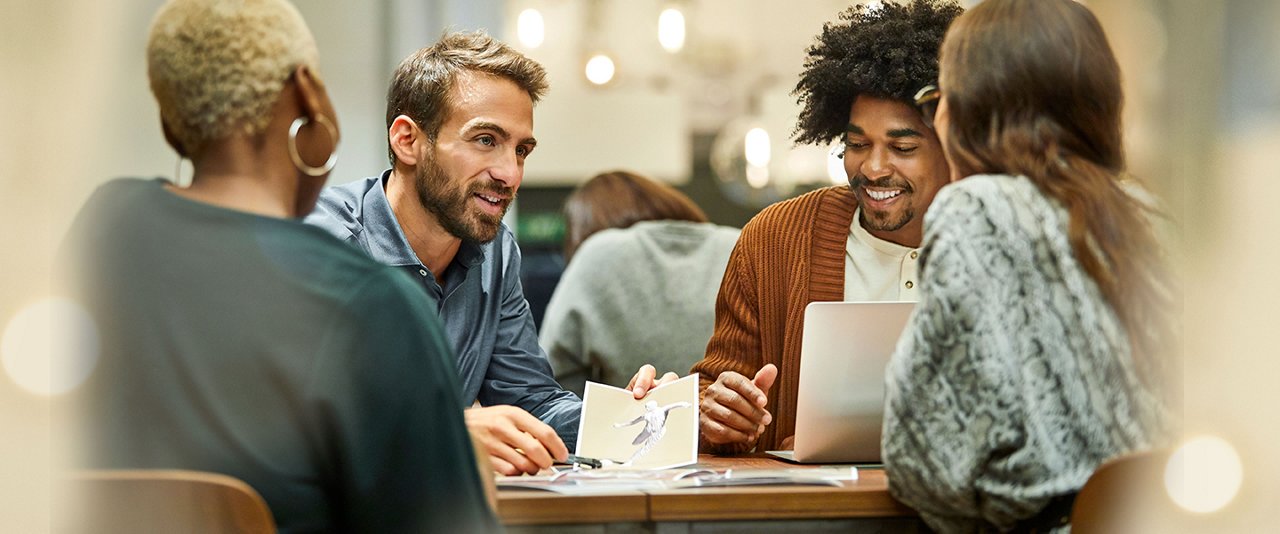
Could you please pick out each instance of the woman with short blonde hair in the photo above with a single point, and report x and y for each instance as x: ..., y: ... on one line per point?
x: 237, y: 340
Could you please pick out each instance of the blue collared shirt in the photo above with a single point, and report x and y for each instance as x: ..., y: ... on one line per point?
x: 481, y: 303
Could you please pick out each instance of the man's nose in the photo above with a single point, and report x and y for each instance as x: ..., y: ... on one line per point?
x: 509, y: 171
x: 876, y: 165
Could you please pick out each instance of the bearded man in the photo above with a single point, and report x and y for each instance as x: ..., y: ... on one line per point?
x: 459, y: 127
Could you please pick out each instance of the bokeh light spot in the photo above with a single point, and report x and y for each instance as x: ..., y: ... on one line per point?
x: 50, y: 347
x: 1204, y: 474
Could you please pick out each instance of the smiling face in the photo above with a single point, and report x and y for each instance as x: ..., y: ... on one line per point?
x: 469, y: 175
x: 895, y: 166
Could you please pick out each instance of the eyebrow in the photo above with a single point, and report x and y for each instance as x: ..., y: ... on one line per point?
x: 896, y: 133
x: 502, y: 132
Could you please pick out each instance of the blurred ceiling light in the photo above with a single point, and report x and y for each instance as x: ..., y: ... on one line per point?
x: 600, y: 69
x: 757, y: 177
x: 805, y: 164
x: 50, y: 346
x: 1203, y: 475
x: 671, y: 29
x: 756, y: 147
x: 530, y: 28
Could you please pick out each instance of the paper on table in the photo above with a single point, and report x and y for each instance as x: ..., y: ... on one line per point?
x: 603, y: 481
x: 657, y: 432
x: 815, y: 476
x: 594, y: 481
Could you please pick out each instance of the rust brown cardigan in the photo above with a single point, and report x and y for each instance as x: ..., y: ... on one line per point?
x: 790, y: 254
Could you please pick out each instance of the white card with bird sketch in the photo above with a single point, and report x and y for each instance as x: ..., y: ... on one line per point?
x: 657, y: 432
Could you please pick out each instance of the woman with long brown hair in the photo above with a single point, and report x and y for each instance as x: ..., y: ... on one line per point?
x: 1042, y: 334
x: 619, y: 199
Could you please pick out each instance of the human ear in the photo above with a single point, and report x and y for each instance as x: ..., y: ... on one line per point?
x: 173, y: 141
x: 313, y: 99
x: 404, y: 136
x: 313, y: 132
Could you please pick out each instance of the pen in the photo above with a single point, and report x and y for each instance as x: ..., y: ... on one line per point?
x: 575, y: 459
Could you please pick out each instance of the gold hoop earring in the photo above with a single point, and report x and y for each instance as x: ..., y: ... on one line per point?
x: 302, y: 166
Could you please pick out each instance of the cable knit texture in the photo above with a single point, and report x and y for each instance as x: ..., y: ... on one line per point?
x: 790, y: 254
x: 1014, y: 379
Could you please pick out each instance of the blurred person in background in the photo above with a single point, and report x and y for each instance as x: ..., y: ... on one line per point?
x: 640, y: 286
x: 234, y: 338
x: 1041, y: 342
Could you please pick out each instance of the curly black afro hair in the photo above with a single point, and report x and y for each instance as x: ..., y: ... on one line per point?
x: 889, y: 51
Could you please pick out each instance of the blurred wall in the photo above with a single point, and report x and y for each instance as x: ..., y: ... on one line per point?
x: 1229, y: 164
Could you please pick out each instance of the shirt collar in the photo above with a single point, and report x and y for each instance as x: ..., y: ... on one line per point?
x: 469, y: 254
x: 861, y: 234
x: 387, y: 242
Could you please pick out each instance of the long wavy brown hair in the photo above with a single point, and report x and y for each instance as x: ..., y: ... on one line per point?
x: 619, y: 199
x: 1032, y: 88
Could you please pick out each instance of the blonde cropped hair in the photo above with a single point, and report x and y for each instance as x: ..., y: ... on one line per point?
x: 217, y: 66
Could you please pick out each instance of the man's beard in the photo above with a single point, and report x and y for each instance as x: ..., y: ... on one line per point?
x: 451, y: 204
x: 882, y: 220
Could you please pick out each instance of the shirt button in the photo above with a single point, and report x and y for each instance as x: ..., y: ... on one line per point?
x: 422, y: 272
x: 909, y: 284
x: 914, y: 254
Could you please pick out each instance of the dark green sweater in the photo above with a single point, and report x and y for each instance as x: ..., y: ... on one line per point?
x: 267, y: 350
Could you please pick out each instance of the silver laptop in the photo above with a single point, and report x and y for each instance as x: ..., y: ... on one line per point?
x: 843, y: 353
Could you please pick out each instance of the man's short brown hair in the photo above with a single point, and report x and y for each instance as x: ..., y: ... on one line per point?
x: 421, y: 85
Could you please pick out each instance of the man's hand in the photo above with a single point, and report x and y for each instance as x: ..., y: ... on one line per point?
x: 642, y: 381
x: 732, y: 408
x: 503, y: 429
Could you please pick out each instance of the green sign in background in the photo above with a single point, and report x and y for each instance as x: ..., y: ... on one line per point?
x: 534, y: 229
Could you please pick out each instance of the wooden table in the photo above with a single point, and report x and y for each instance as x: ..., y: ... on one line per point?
x: 865, y: 498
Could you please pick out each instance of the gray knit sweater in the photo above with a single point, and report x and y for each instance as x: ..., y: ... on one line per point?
x: 644, y: 294
x: 1013, y: 380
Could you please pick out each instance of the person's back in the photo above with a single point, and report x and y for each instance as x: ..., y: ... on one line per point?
x: 1043, y: 336
x: 265, y: 349
x: 1005, y: 290
x: 630, y: 296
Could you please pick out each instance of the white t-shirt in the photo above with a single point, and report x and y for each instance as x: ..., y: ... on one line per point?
x: 875, y: 269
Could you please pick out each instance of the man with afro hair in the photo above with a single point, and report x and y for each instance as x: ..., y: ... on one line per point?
x: 853, y: 243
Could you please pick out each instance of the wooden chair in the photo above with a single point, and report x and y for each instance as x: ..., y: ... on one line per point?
x: 1125, y: 494
x: 160, y: 501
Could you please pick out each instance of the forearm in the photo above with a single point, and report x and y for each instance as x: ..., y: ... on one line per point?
x: 561, y: 411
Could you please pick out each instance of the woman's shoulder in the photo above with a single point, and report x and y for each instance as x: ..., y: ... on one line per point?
x: 124, y: 190
x: 986, y: 199
x: 974, y: 189
x: 668, y: 230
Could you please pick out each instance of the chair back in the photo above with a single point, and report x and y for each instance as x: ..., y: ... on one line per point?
x: 111, y: 501
x: 1123, y: 495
